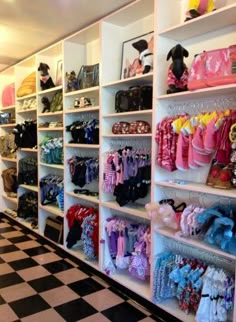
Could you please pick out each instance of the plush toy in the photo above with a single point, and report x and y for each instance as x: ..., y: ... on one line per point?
x: 178, y: 71
x: 46, y: 81
x: 145, y: 55
x: 198, y: 8
x: 46, y: 104
x: 162, y: 215
x: 72, y: 81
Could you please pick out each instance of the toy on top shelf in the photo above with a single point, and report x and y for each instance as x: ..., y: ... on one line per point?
x: 46, y: 81
x: 28, y: 85
x: 72, y: 82
x: 197, y: 8
x: 145, y: 55
x: 178, y: 71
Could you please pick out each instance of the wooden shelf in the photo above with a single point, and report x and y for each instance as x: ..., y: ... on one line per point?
x: 11, y: 107
x: 26, y: 111
x: 195, y: 243
x: 53, y: 209
x: 133, y: 113
x: 128, y: 136
x: 51, y: 113
x: 78, y: 253
x: 84, y: 197
x: 7, y: 125
x: 213, y: 21
x: 131, y: 209
x: 59, y: 128
x: 28, y: 187
x: 82, y: 91
x: 54, y: 166
x: 198, y: 187
x: 8, y: 159
x: 83, y: 146
x: 142, y: 79
x: 50, y: 90
x: 28, y: 150
x: 88, y: 109
x: 26, y: 97
x: 13, y: 200
x: 200, y: 94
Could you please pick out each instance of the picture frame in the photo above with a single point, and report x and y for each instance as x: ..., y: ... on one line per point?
x: 59, y: 73
x: 130, y: 64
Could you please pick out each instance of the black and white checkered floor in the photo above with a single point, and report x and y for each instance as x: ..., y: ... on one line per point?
x: 39, y: 283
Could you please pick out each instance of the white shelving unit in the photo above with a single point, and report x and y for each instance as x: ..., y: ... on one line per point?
x: 102, y: 43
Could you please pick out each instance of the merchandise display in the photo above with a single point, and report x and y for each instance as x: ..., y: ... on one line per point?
x: 137, y: 169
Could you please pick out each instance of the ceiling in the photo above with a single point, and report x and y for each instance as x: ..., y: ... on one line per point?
x: 26, y: 26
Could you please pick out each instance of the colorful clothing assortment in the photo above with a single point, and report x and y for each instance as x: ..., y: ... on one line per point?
x: 83, y: 230
x: 52, y: 150
x: 127, y: 173
x: 204, y: 290
x: 83, y: 170
x: 129, y: 246
x: 189, y: 142
x: 52, y: 190
x: 84, y: 132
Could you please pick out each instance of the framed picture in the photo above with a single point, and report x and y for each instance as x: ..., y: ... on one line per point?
x: 130, y: 62
x: 59, y: 73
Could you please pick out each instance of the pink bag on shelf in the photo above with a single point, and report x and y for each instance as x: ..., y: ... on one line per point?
x: 8, y: 95
x: 213, y: 68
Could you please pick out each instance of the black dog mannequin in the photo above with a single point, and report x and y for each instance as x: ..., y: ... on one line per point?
x: 46, y: 104
x: 178, y: 71
x: 46, y: 81
x: 145, y: 55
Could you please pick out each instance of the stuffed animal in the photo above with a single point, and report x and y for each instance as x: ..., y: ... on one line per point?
x: 178, y: 71
x: 72, y: 81
x: 46, y: 81
x: 162, y: 215
x: 145, y: 55
x: 46, y: 104
x: 198, y: 8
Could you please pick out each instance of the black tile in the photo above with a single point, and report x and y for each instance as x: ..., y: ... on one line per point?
x: 6, y: 229
x: 75, y: 310
x: 2, y: 301
x: 36, y: 251
x: 123, y: 312
x: 19, y: 239
x: 45, y: 283
x: 118, y: 292
x: 23, y: 263
x: 86, y: 286
x: 1, y: 261
x: 29, y: 305
x: 10, y: 279
x: 8, y: 249
x: 58, y: 266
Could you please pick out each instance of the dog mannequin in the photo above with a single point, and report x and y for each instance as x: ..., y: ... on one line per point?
x: 198, y: 8
x: 145, y: 55
x: 46, y: 81
x: 46, y: 104
x: 178, y: 71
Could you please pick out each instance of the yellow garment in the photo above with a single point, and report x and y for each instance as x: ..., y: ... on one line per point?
x: 178, y: 123
x: 194, y: 5
x: 28, y: 86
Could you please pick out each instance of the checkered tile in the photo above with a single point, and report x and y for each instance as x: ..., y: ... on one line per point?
x: 38, y: 283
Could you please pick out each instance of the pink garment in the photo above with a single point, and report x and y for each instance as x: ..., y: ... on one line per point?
x: 191, y: 163
x: 8, y: 95
x: 182, y: 152
x: 179, y: 83
x: 203, y: 4
x: 210, y: 141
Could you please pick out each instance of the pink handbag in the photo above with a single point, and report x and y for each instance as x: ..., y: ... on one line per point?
x: 213, y: 68
x: 8, y: 95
